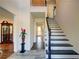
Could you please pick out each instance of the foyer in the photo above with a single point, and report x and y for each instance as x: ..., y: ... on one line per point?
x: 41, y: 29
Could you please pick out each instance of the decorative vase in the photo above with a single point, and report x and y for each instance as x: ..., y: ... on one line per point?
x: 23, y: 41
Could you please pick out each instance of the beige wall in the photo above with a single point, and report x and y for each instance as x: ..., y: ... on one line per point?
x: 31, y: 31
x: 68, y: 18
x: 50, y: 8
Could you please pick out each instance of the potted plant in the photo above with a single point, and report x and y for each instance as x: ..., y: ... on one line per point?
x: 23, y: 33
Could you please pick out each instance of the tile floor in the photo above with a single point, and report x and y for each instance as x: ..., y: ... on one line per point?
x: 33, y: 54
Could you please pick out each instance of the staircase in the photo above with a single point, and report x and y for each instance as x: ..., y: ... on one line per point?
x: 58, y: 46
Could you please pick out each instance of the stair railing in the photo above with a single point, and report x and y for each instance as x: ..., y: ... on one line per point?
x: 47, y: 36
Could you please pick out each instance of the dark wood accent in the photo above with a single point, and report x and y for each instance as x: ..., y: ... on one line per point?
x: 38, y: 2
x: 6, y: 32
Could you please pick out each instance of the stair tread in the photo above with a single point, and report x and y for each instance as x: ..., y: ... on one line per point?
x: 57, y: 32
x: 55, y: 29
x: 64, y: 52
x: 62, y: 45
x: 57, y: 35
x: 59, y: 40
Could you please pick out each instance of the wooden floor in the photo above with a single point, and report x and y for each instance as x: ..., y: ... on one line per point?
x: 7, y: 50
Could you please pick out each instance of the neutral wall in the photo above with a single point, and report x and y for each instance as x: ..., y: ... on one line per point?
x: 50, y: 8
x: 68, y: 18
x: 22, y: 20
x: 38, y: 9
x: 31, y: 31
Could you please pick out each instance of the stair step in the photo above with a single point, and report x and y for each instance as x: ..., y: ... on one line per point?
x: 61, y: 45
x: 54, y: 26
x: 63, y: 52
x: 59, y: 40
x: 57, y: 35
x: 55, y: 29
x: 64, y: 56
x: 57, y: 32
x: 60, y: 48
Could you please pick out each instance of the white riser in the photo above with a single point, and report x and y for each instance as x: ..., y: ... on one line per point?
x: 60, y: 42
x: 60, y: 48
x: 56, y: 30
x: 57, y: 34
x: 54, y: 26
x: 63, y: 56
x: 58, y: 37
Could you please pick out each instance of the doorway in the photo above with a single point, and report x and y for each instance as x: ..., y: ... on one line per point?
x: 37, y: 22
x: 39, y: 36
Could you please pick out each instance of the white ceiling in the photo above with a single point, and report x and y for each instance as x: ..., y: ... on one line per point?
x: 15, y: 5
